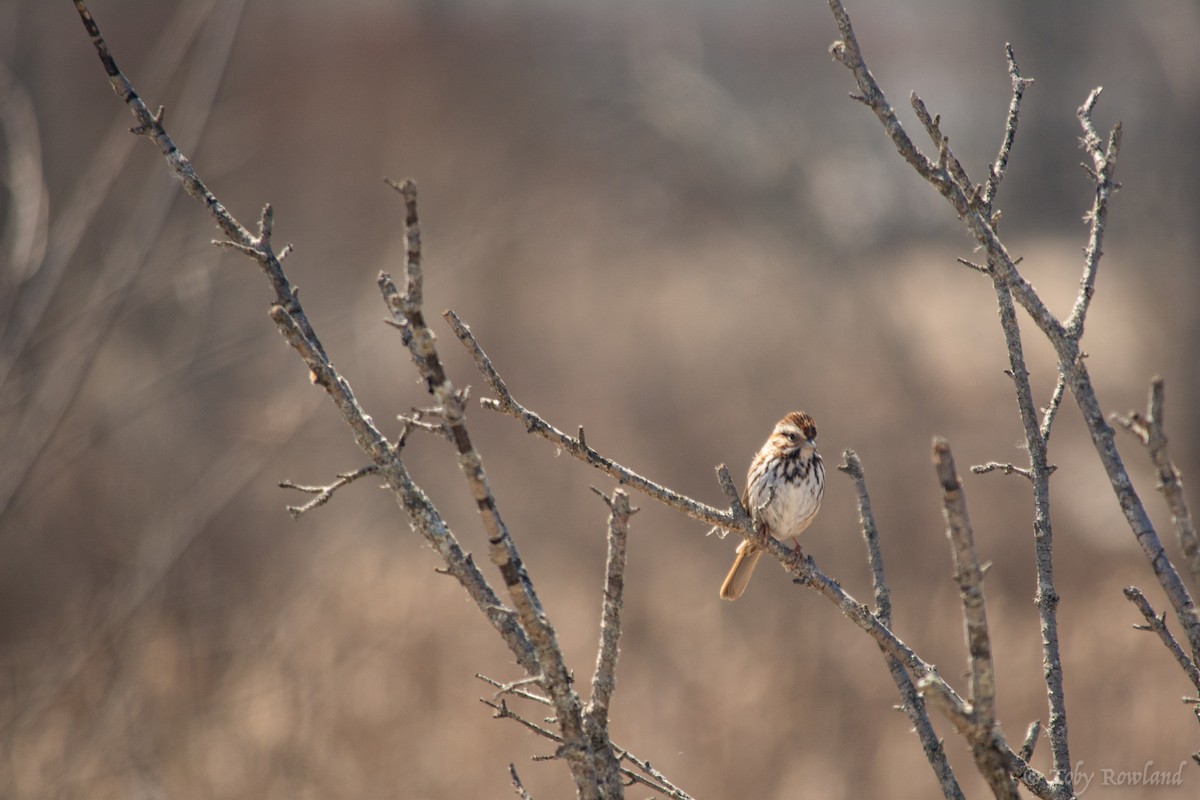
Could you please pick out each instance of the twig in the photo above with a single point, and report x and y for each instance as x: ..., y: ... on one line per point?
x: 586, y: 762
x: 1031, y: 738
x: 1007, y: 469
x: 504, y: 402
x: 604, y: 679
x: 1051, y: 410
x: 650, y: 778
x: 912, y: 704
x: 1104, y: 163
x: 947, y: 161
x: 997, y: 169
x: 1150, y: 429
x: 1158, y: 624
x: 984, y: 734
x: 516, y: 782
x: 325, y: 493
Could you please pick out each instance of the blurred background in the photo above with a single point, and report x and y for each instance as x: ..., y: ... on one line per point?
x: 666, y: 222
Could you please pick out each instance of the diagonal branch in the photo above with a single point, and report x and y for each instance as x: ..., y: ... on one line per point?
x: 1157, y: 623
x: 408, y: 315
x: 577, y: 445
x: 1150, y: 429
x: 325, y: 493
x: 288, y: 315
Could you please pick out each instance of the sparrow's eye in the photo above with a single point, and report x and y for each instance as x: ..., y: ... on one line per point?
x: 792, y: 437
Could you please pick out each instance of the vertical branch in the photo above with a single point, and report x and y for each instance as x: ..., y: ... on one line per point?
x: 604, y: 681
x: 912, y: 704
x: 1046, y: 597
x: 997, y: 169
x: 983, y: 734
x: 1104, y: 163
x: 969, y: 577
x: 408, y: 316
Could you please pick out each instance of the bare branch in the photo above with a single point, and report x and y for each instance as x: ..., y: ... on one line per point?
x: 575, y: 446
x: 604, y: 680
x: 290, y: 319
x: 1104, y: 163
x: 847, y: 52
x: 912, y: 704
x: 983, y: 734
x: 325, y: 493
x: 587, y: 764
x: 1158, y: 624
x: 997, y: 169
x: 1031, y: 738
x: 1065, y: 340
x: 969, y: 577
x: 1051, y: 410
x: 649, y: 776
x: 1007, y: 469
x: 1150, y: 429
x: 516, y: 782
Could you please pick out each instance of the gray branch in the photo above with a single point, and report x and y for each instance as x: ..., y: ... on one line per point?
x: 969, y: 204
x: 984, y: 735
x: 604, y: 680
x: 646, y: 775
x: 1157, y: 624
x: 911, y: 702
x: 1150, y: 429
x: 589, y: 760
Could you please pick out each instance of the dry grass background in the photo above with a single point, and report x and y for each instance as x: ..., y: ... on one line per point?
x: 666, y: 223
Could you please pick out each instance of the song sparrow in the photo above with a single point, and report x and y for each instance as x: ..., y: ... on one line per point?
x: 783, y: 492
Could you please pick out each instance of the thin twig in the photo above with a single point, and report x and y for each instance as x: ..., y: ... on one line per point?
x: 1051, y: 410
x: 504, y: 402
x: 1104, y: 163
x: 517, y: 785
x: 1031, y: 738
x: 912, y: 704
x: 1158, y: 624
x: 1007, y: 469
x: 650, y: 777
x: 325, y: 493
x: 997, y: 169
x: 1150, y: 429
x: 604, y: 679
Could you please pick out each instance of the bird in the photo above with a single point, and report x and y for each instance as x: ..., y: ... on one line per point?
x: 783, y: 492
